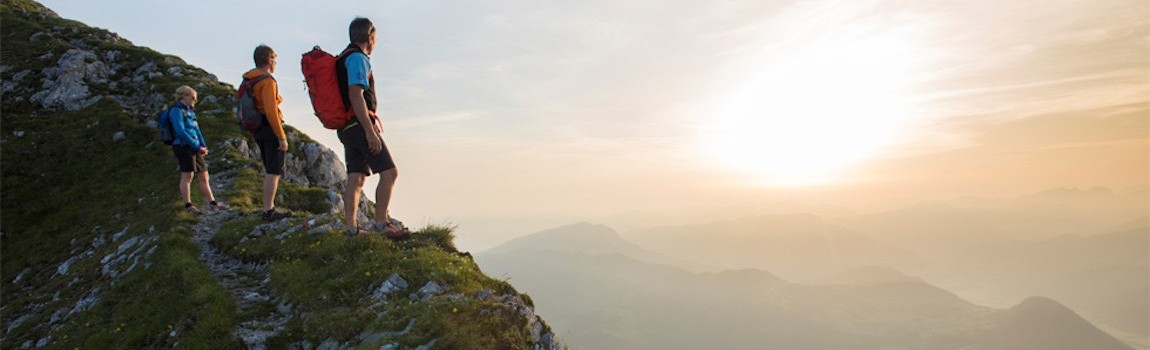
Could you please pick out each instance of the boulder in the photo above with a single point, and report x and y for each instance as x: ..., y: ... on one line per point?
x: 66, y: 84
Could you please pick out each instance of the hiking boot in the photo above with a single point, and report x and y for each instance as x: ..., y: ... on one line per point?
x: 192, y: 209
x: 393, y: 229
x: 220, y: 206
x: 273, y: 214
x: 353, y: 231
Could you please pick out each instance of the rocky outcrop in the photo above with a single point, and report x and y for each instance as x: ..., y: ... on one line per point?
x: 70, y: 80
x: 66, y: 84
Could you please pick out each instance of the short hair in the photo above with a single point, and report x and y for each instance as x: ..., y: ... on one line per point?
x: 184, y: 90
x: 263, y: 55
x: 360, y: 30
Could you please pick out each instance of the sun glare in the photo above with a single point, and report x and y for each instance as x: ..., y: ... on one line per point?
x: 808, y: 112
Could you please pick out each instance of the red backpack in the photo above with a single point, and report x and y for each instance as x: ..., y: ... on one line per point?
x: 323, y: 88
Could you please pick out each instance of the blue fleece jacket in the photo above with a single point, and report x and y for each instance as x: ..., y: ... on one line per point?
x: 185, y: 127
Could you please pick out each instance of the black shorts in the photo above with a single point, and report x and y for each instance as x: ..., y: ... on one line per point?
x: 270, y: 151
x: 358, y: 155
x: 190, y: 159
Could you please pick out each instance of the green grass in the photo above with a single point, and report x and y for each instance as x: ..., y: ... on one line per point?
x: 174, y: 296
x: 330, y: 278
x: 66, y: 183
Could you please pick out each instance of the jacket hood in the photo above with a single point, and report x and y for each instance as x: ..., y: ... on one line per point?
x: 255, y: 72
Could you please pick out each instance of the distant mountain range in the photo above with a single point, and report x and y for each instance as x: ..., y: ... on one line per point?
x: 585, y: 282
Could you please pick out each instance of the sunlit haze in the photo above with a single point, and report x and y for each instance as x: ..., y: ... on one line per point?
x: 508, y: 117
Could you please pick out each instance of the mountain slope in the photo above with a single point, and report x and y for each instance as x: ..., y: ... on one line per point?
x: 1048, y: 325
x: 97, y: 252
x: 612, y: 301
x: 591, y: 239
x: 796, y: 246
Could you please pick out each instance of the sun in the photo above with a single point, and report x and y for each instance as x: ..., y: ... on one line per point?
x: 807, y: 114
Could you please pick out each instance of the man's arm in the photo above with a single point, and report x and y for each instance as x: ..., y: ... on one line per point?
x: 268, y: 98
x: 359, y: 105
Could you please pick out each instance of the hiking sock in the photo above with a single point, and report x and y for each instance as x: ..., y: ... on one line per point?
x: 214, y: 203
x: 188, y: 205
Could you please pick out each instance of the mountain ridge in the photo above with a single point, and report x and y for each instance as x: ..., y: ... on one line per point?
x: 98, y: 253
x: 861, y: 310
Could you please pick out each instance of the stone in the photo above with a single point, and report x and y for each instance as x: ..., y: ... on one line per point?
x: 12, y: 325
x: 119, y: 135
x: 66, y: 84
x: 427, y: 346
x: 59, y: 315
x: 430, y: 289
x: 394, y: 283
x: 63, y: 268
x: 323, y: 167
x: 11, y: 84
x: 329, y: 345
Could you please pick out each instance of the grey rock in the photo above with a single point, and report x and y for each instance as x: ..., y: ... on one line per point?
x: 63, y: 268
x: 301, y: 345
x: 66, y: 84
x: 389, y: 346
x: 18, y: 133
x: 117, y: 235
x: 430, y: 289
x: 427, y: 346
x: 394, y: 283
x: 11, y: 84
x: 330, y: 345
x: 119, y: 135
x: 324, y: 168
x: 127, y: 245
x: 240, y: 145
x: 12, y: 325
x: 59, y: 315
x: 43, y: 342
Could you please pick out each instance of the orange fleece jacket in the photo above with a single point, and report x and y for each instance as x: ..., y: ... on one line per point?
x: 268, y: 99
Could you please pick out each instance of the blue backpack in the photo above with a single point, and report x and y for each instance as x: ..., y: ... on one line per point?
x: 165, y: 125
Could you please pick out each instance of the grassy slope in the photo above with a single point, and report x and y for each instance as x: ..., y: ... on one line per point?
x: 66, y: 183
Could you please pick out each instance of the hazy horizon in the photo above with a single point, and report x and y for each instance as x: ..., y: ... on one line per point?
x: 509, y: 117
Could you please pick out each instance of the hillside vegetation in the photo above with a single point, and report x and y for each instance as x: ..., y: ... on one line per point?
x: 97, y: 252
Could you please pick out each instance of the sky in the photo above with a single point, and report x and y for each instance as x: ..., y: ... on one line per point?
x: 508, y: 117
